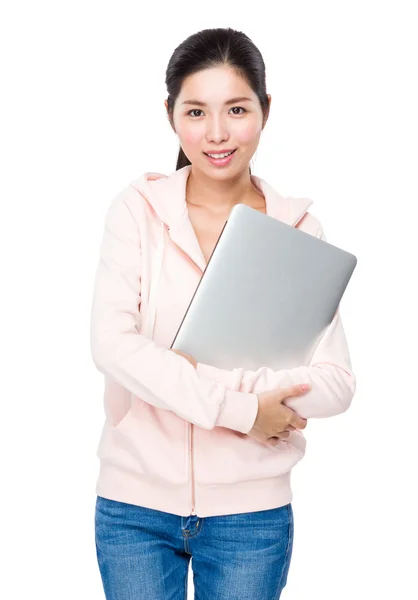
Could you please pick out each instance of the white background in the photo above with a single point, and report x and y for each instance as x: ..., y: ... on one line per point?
x: 82, y: 114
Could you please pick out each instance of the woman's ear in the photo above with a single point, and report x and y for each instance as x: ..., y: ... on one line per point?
x: 265, y: 118
x: 169, y: 116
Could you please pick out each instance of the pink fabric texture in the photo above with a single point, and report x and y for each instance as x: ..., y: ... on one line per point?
x: 174, y: 437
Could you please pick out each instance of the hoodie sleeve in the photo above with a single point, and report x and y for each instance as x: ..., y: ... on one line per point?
x: 152, y: 372
x: 329, y: 373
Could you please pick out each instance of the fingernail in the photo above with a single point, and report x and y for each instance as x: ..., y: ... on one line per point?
x: 305, y: 386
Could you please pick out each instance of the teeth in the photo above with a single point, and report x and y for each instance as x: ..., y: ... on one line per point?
x: 220, y: 155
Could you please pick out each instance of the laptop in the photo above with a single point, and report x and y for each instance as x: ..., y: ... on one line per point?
x: 267, y: 295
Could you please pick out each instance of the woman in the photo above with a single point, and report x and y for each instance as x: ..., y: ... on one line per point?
x: 196, y: 460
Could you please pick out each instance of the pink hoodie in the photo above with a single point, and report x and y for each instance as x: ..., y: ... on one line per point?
x: 174, y: 438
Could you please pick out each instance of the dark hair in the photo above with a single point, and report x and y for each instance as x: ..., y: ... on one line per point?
x: 215, y: 48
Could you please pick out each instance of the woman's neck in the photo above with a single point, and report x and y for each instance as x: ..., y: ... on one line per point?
x: 221, y: 196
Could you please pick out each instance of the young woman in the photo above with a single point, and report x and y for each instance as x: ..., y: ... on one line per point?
x: 196, y: 460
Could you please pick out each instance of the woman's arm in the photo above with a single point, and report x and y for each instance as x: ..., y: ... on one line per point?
x: 151, y: 372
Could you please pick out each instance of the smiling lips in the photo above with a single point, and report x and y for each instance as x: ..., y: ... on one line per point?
x: 225, y: 151
x: 221, y: 161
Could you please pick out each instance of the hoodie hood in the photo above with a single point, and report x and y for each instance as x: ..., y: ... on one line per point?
x: 167, y: 196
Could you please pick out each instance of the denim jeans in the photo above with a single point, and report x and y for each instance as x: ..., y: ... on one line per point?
x: 144, y: 553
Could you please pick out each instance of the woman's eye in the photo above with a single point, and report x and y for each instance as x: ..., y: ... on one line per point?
x: 194, y: 110
x: 233, y: 108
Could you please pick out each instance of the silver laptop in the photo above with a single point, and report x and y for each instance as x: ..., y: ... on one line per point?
x: 267, y: 294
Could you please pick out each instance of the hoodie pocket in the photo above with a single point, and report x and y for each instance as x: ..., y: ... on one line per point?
x: 148, y: 441
x: 227, y: 456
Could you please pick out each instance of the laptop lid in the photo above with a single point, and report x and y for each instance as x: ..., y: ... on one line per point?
x: 267, y: 294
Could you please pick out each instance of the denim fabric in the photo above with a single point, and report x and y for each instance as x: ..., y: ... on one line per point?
x: 144, y: 553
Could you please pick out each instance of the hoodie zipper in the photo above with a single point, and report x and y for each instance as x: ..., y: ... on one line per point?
x: 156, y: 270
x: 191, y: 431
x: 191, y: 425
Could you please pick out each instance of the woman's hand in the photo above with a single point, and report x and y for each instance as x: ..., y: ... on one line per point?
x: 270, y: 441
x: 191, y: 360
x: 282, y: 435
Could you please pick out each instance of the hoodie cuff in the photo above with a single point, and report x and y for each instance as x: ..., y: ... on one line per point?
x: 238, y: 411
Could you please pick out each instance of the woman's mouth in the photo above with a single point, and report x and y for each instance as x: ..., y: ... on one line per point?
x: 220, y: 161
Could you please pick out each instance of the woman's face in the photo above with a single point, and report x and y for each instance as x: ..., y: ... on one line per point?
x: 217, y: 124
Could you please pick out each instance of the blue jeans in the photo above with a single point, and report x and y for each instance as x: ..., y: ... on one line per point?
x: 145, y: 553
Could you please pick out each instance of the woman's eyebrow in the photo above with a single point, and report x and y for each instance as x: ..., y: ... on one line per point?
x: 231, y: 101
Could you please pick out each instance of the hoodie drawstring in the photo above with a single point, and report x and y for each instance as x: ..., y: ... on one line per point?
x: 155, y: 277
